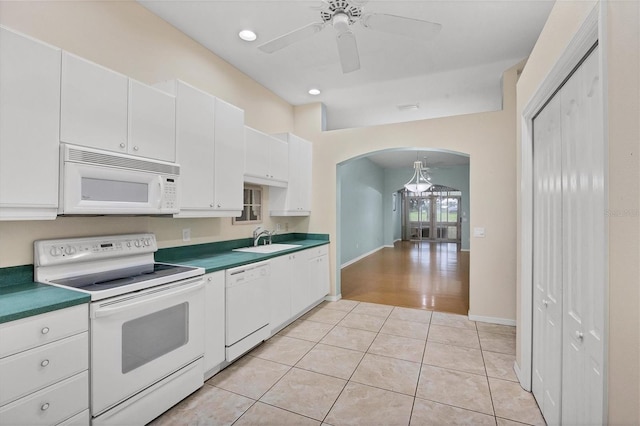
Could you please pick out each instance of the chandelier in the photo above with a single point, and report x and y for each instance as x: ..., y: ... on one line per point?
x: 418, y: 183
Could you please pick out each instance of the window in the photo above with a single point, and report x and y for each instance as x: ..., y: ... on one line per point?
x: 252, y: 206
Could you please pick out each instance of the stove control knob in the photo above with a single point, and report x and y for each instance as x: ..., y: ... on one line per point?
x: 147, y: 242
x: 128, y: 243
x: 137, y: 243
x: 69, y: 250
x: 55, y: 251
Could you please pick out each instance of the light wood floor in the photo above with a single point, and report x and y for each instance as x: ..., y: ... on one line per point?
x: 412, y: 274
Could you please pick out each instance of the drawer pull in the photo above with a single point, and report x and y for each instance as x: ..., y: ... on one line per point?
x: 45, y: 406
x: 44, y: 363
x: 45, y: 330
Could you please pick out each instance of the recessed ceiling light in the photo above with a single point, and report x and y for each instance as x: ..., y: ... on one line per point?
x: 247, y: 35
x: 314, y: 92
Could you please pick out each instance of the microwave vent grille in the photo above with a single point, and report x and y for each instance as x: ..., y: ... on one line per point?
x: 97, y: 158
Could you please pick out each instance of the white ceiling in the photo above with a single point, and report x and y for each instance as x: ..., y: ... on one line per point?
x: 458, y: 72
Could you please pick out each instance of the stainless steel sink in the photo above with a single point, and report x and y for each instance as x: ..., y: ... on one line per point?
x: 269, y: 248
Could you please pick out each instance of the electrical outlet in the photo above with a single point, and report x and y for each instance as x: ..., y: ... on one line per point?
x: 186, y: 234
x: 278, y: 227
x: 286, y: 226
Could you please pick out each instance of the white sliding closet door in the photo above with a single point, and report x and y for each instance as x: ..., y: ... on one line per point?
x: 569, y: 253
x: 584, y: 245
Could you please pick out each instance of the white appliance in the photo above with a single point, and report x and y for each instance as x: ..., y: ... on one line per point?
x: 146, y: 322
x: 99, y: 182
x: 247, y: 308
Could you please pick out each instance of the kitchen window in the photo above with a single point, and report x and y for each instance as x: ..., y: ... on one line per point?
x: 252, y: 206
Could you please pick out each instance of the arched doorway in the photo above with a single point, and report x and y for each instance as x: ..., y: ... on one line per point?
x: 369, y: 226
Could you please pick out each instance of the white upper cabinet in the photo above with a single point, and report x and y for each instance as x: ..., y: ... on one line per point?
x: 94, y: 105
x: 29, y: 127
x: 229, y: 158
x: 210, y: 151
x: 266, y: 159
x: 152, y: 122
x: 295, y: 200
x: 103, y: 109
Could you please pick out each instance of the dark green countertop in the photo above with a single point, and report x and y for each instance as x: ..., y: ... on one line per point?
x: 21, y: 297
x: 219, y: 256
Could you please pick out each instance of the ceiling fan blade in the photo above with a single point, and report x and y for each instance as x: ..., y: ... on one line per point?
x: 290, y: 38
x: 348, y: 51
x: 408, y: 27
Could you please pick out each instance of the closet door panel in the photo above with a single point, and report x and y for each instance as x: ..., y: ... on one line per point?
x: 547, y: 274
x: 584, y: 250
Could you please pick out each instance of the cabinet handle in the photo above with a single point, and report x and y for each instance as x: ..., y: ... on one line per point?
x: 218, y: 205
x: 45, y: 330
x: 545, y: 302
x: 210, y: 279
x: 122, y: 145
x: 45, y: 406
x: 211, y: 205
x: 579, y: 335
x: 135, y: 148
x: 44, y: 363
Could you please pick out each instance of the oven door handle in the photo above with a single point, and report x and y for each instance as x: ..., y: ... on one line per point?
x: 172, y: 292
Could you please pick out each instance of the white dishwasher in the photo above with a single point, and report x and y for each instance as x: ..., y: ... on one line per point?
x: 247, y: 308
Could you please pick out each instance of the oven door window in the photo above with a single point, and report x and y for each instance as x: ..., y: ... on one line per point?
x: 152, y: 336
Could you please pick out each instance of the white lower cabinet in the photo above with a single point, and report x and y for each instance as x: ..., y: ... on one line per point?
x: 318, y: 273
x: 214, y: 351
x: 298, y: 281
x: 44, y: 363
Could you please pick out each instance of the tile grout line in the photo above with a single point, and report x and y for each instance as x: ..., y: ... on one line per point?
x: 424, y: 352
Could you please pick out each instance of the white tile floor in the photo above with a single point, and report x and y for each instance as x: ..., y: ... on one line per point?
x: 351, y: 363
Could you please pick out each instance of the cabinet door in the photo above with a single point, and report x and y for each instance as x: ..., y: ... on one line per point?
x: 228, y: 157
x: 300, y: 285
x: 279, y: 159
x: 256, y: 153
x: 29, y: 127
x: 214, y: 351
x: 93, y: 105
x: 280, y: 284
x: 195, y: 147
x: 304, y: 160
x: 319, y: 277
x: 152, y: 122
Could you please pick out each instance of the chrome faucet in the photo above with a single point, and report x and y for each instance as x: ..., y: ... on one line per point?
x: 259, y: 233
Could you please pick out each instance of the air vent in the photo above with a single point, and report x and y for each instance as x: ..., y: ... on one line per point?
x: 409, y: 107
x: 103, y: 159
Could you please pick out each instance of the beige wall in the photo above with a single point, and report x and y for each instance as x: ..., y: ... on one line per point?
x: 489, y: 139
x: 621, y: 47
x: 127, y: 38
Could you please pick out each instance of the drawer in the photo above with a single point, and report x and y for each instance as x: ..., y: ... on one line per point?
x: 317, y: 251
x: 82, y: 419
x: 51, y: 405
x: 27, y: 333
x: 45, y: 365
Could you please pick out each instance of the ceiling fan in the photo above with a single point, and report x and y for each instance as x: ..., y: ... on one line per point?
x: 341, y: 15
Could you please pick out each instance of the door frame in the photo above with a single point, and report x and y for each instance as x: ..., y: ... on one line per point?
x: 590, y: 32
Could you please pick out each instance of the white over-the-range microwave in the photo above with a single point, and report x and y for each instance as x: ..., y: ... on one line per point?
x: 97, y: 182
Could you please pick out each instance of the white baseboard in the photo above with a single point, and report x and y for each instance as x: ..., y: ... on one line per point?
x: 388, y: 245
x: 331, y: 298
x: 352, y: 261
x: 465, y: 250
x: 492, y: 320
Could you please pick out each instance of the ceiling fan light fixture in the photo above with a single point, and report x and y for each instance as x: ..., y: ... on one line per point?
x: 314, y: 92
x: 247, y: 35
x: 340, y: 22
x: 418, y: 183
